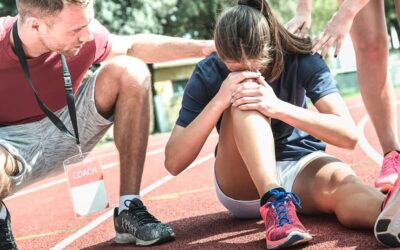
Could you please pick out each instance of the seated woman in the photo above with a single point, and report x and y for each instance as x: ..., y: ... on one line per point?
x: 270, y: 152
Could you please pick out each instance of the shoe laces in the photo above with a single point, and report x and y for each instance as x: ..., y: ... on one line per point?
x: 279, y: 202
x: 139, y: 213
x: 391, y: 162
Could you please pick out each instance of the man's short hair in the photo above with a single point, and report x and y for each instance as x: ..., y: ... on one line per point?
x: 43, y: 8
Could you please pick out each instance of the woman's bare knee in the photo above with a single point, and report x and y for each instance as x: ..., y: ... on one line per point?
x: 319, y: 183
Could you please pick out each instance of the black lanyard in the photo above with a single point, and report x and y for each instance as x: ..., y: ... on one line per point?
x: 67, y: 84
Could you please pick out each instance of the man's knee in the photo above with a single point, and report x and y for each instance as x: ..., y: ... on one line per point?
x: 7, y: 168
x: 128, y: 72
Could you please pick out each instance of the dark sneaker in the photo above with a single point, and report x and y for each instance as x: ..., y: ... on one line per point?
x: 282, y: 227
x: 387, y: 226
x: 137, y: 225
x: 7, y: 241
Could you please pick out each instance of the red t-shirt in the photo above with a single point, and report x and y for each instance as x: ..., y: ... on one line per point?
x: 17, y: 101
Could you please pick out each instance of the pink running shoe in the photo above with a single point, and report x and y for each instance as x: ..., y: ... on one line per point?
x: 283, y: 228
x: 387, y: 226
x: 389, y: 172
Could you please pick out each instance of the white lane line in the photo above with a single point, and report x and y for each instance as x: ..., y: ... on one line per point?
x: 53, y: 183
x: 364, y: 144
x: 56, y: 182
x: 106, y: 166
x: 93, y: 224
x: 31, y: 190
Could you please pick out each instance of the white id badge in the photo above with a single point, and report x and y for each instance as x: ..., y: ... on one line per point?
x: 86, y: 184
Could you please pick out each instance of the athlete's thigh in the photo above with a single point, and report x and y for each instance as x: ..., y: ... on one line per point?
x: 369, y: 24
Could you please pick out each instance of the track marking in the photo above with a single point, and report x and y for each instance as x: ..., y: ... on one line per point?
x: 34, y: 236
x: 224, y: 236
x: 364, y: 144
x: 179, y: 194
x: 93, y: 224
x: 63, y: 180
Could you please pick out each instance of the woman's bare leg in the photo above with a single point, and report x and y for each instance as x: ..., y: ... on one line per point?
x: 245, y: 163
x: 327, y: 185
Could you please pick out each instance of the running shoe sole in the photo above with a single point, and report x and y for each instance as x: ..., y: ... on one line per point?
x: 387, y: 226
x: 126, y: 238
x: 294, y: 238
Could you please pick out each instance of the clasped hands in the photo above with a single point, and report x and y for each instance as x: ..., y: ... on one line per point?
x: 248, y: 90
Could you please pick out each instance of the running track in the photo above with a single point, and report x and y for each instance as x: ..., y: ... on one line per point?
x: 43, y: 218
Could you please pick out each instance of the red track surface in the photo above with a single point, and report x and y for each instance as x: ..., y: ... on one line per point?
x: 42, y: 219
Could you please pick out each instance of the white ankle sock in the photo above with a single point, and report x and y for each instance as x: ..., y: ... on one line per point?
x: 122, y: 200
x: 3, y: 212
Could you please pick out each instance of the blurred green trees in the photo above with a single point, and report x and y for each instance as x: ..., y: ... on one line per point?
x: 7, y: 7
x: 134, y: 16
x: 193, y: 19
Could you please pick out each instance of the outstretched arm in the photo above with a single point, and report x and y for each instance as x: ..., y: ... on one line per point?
x: 332, y: 124
x: 153, y: 48
x: 300, y: 24
x: 338, y: 27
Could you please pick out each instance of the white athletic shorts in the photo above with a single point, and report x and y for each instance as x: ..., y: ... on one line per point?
x: 287, y: 173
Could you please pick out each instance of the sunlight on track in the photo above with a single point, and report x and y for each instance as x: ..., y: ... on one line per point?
x: 93, y: 224
x: 225, y: 236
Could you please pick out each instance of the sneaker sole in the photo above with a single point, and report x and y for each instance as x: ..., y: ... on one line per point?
x: 294, y: 238
x: 130, y: 239
x: 387, y: 226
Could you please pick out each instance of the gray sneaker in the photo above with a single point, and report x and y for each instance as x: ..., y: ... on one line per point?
x: 7, y: 241
x: 137, y: 225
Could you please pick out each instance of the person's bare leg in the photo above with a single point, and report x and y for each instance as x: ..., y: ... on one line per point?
x: 122, y: 89
x: 245, y: 163
x: 327, y: 185
x: 397, y: 6
x: 8, y: 167
x: 246, y: 170
x: 369, y: 36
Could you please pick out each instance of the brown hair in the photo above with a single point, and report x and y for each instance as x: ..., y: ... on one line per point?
x: 43, y: 8
x: 250, y: 31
